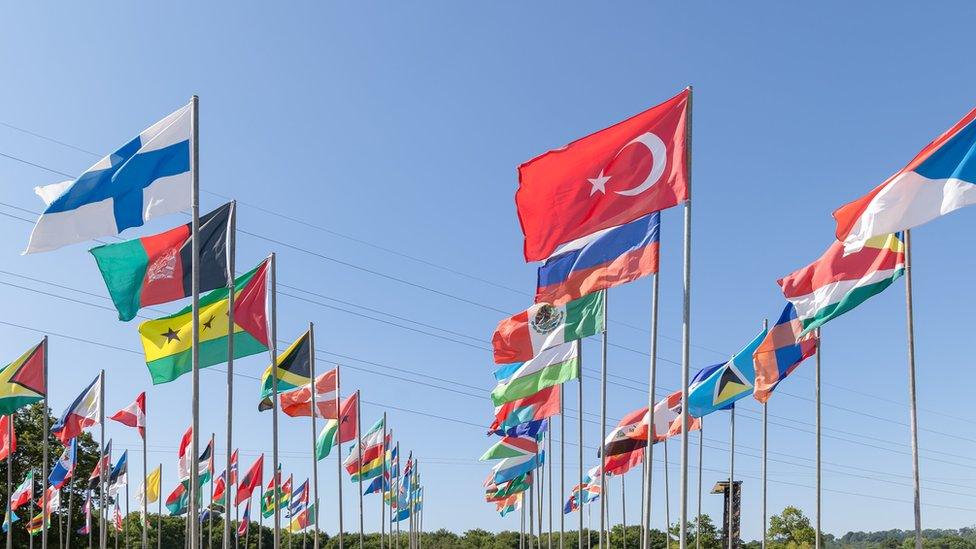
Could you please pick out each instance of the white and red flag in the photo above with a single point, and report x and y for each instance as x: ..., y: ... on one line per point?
x: 605, y: 179
x: 184, y: 457
x: 133, y: 415
x: 83, y: 412
x: 298, y: 402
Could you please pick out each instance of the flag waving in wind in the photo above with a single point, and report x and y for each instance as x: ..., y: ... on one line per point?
x: 82, y: 413
x: 252, y: 479
x: 7, y: 433
x: 64, y: 467
x: 22, y: 382
x: 726, y: 384
x: 146, y: 178
x: 133, y: 415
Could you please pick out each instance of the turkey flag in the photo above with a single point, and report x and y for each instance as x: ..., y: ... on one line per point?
x: 606, y: 179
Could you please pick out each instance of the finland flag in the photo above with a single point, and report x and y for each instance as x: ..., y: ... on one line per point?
x: 147, y: 177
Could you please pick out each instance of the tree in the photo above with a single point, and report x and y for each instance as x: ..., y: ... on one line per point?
x: 711, y: 537
x: 791, y: 529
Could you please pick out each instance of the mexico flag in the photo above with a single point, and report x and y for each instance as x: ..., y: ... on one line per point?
x: 541, y: 326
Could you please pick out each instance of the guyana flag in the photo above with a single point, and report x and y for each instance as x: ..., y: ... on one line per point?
x: 167, y: 341
x: 294, y: 370
x: 156, y: 269
x: 22, y: 381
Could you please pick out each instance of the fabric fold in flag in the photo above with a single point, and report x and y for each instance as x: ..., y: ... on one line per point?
x: 784, y: 348
x: 529, y: 429
x: 541, y: 405
x: 23, y: 493
x: 84, y: 412
x: 630, y: 433
x: 509, y: 468
x: 599, y: 261
x: 22, y: 381
x: 149, y: 491
x: 133, y: 415
x: 728, y: 382
x: 543, y: 325
x: 146, y: 178
x: 298, y: 403
x: 294, y: 370
x: 553, y: 366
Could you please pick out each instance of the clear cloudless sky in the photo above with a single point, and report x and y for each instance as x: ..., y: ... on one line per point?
x: 389, y: 133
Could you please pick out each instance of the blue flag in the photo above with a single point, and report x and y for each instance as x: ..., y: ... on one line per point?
x: 718, y: 387
x: 530, y: 429
x: 64, y: 467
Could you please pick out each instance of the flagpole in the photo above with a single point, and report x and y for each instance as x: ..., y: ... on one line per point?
x: 579, y: 354
x: 549, y: 476
x: 45, y: 436
x: 651, y: 388
x: 643, y: 491
x: 210, y: 515
x: 10, y: 479
x: 396, y: 497
x: 195, y: 307
x: 623, y: 511
x: 667, y: 499
x: 231, y: 266
x: 159, y: 511
x: 913, y: 409
x: 603, y: 418
x: 382, y: 491
x: 701, y: 455
x: 818, y: 524
x: 686, y: 338
x: 274, y: 400
x: 71, y: 499
x: 315, y: 458
x: 731, y: 534
x: 338, y: 445
x: 532, y: 487
x: 125, y: 525
x: 260, y: 514
x: 764, y: 470
x: 562, y: 463
x: 359, y: 459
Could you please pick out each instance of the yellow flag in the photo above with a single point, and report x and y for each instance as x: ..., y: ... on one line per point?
x: 151, y: 487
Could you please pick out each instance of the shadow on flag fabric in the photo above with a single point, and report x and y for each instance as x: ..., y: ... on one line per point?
x: 84, y: 412
x: 294, y: 370
x: 599, y: 261
x: 298, y: 403
x: 7, y: 431
x: 23, y: 493
x: 338, y: 431
x: 553, y: 366
x: 146, y: 178
x: 543, y: 325
x: 541, y: 405
x: 781, y: 352
x: 166, y: 341
x: 64, y: 467
x: 133, y: 415
x: 151, y: 487
x: 22, y: 381
x: 156, y: 269
x: 728, y: 382
x: 605, y: 179
x: 837, y: 283
x: 252, y: 479
x: 939, y: 180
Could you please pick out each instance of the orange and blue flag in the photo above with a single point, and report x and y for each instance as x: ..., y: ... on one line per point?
x: 783, y: 349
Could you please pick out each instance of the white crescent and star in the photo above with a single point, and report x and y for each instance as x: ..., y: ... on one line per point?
x: 658, y: 152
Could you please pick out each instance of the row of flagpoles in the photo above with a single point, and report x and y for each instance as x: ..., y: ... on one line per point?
x: 153, y: 175
x: 590, y: 212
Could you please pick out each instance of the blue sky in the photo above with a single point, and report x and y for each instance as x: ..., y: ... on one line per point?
x: 389, y: 134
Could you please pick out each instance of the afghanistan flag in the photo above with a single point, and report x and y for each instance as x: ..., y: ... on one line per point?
x: 156, y: 269
x: 22, y: 381
x: 167, y: 341
x: 294, y: 370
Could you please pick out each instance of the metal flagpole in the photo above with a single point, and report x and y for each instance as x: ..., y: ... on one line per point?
x: 195, y: 306
x: 579, y: 354
x: 701, y: 455
x: 45, y: 437
x: 338, y: 446
x: 642, y: 492
x: 274, y: 400
x: 159, y: 512
x: 359, y: 462
x: 589, y: 524
x: 603, y: 419
x: 606, y: 515
x: 102, y: 466
x: 125, y: 523
x: 315, y: 458
x: 261, y: 514
x: 764, y: 470
x: 522, y: 526
x: 396, y: 498
x: 31, y: 515
x: 541, y: 492
x: 818, y: 524
x: 686, y: 338
x: 651, y: 388
x: 913, y: 409
x: 247, y: 531
x: 667, y: 499
x: 10, y: 479
x: 562, y: 463
x: 535, y: 482
x: 623, y: 511
x: 145, y: 487
x: 382, y: 491
x: 548, y: 478
x: 231, y: 265
x: 731, y: 534
x: 210, y: 515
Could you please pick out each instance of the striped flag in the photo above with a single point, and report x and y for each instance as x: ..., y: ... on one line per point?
x: 543, y: 325
x: 82, y: 413
x: 509, y: 447
x: 781, y: 352
x: 298, y: 403
x: 552, y: 366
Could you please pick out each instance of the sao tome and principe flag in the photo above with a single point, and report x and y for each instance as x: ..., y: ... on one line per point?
x: 167, y: 341
x: 836, y: 283
x: 339, y: 431
x: 552, y: 366
x: 146, y: 178
x: 156, y: 269
x: 608, y: 178
x: 22, y: 381
x: 939, y: 180
x: 526, y: 334
x: 82, y: 413
x: 294, y: 370
x: 781, y: 352
x: 728, y: 382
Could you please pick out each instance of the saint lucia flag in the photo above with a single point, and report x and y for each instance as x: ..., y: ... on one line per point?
x: 717, y: 387
x: 146, y: 178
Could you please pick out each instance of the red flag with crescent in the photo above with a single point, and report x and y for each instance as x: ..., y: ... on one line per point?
x: 605, y: 179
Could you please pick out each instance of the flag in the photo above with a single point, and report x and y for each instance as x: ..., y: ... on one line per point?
x: 667, y: 417
x: 83, y: 412
x: 50, y: 500
x: 166, y: 341
x: 730, y: 382
x: 133, y: 415
x: 513, y: 503
x: 183, y: 455
x: 24, y: 492
x: 604, y: 259
x: 552, y: 366
x: 781, y: 352
x: 118, y: 518
x: 372, y: 446
x: 378, y: 484
x: 630, y: 433
x: 233, y: 468
x: 541, y: 326
x: 252, y: 479
x: 541, y: 405
x: 64, y: 467
x: 205, y: 464
x: 120, y: 474
x: 178, y: 501
x: 156, y: 269
x: 38, y: 523
x: 269, y: 502
x: 9, y: 518
x: 836, y: 283
x: 245, y: 521
x: 509, y: 447
x: 505, y: 490
x: 97, y: 469
x: 150, y: 488
x: 530, y: 429
x: 144, y: 179
x: 86, y: 510
x: 298, y: 403
x: 608, y: 178
x: 303, y: 519
x: 299, y: 499
x: 343, y: 428
x: 621, y: 463
x: 22, y: 382
x: 939, y: 180
x: 7, y: 431
x: 294, y: 370
x: 509, y: 468
x: 220, y: 489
